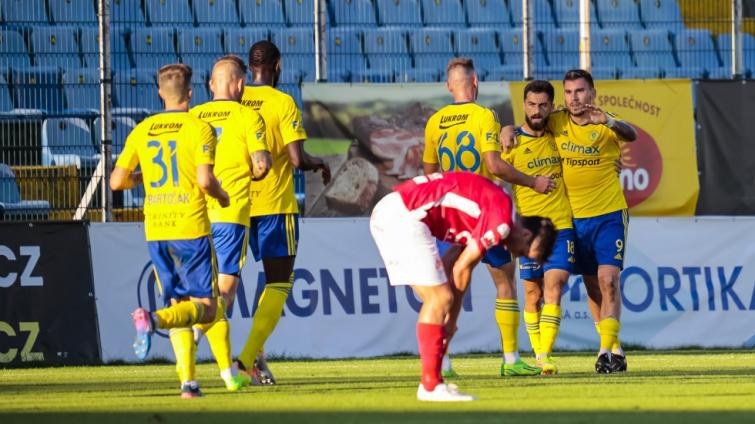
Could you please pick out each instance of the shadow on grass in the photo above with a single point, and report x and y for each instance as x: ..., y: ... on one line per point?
x: 428, y: 414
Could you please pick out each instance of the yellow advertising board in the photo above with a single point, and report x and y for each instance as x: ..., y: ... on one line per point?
x: 659, y: 174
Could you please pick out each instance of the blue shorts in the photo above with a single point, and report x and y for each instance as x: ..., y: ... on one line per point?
x: 184, y: 268
x: 562, y: 257
x: 496, y: 257
x: 600, y: 240
x: 230, y: 242
x: 274, y: 236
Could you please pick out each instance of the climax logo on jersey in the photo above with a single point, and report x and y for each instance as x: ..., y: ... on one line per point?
x: 642, y: 168
x: 146, y: 295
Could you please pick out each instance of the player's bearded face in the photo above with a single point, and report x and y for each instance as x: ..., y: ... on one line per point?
x: 577, y: 94
x: 537, y: 109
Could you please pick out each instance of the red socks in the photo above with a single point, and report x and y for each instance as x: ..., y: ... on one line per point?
x: 430, y: 339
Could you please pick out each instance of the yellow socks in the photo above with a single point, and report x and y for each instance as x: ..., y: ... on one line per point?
x: 218, y: 335
x: 265, y: 319
x: 182, y: 339
x: 616, y: 348
x: 182, y: 314
x: 507, y: 317
x: 609, y: 333
x: 550, y: 321
x: 532, y: 322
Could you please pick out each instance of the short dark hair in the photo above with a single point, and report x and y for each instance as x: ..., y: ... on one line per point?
x: 575, y: 74
x: 264, y: 53
x: 543, y: 228
x: 540, y: 86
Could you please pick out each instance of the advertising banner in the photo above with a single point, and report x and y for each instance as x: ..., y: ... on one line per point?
x: 727, y: 151
x: 372, y: 136
x: 659, y: 174
x: 342, y: 305
x: 47, y: 308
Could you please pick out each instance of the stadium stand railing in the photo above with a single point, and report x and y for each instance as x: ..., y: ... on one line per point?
x: 50, y: 61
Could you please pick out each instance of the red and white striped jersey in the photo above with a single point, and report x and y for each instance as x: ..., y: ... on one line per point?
x: 459, y: 207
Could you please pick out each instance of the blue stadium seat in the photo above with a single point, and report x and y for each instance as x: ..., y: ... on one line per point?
x: 492, y: 13
x: 617, y: 14
x: 13, y: 52
x: 24, y: 12
x: 82, y: 88
x: 660, y: 13
x: 73, y: 12
x: 262, y: 13
x: 11, y: 204
x: 480, y: 45
x: 432, y: 48
x: 353, y: 12
x: 128, y: 13
x: 541, y: 14
x: 121, y: 127
x: 609, y: 51
x: 652, y: 48
x: 567, y: 13
x: 200, y: 91
x: 55, y: 46
x: 297, y: 47
x: 169, y: 12
x: 300, y: 12
x: 696, y: 51
x: 512, y: 47
x: 200, y: 47
x: 399, y: 13
x: 345, y: 57
x: 68, y: 141
x: 90, y: 47
x: 748, y: 53
x: 135, y: 91
x: 153, y: 47
x: 6, y: 104
x: 447, y: 13
x: 38, y: 89
x: 216, y: 13
x: 562, y: 49
x: 387, y: 54
x: 238, y: 41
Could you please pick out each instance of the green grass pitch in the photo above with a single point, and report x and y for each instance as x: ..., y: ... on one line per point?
x: 661, y: 387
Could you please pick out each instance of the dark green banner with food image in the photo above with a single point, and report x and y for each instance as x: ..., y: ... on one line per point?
x: 372, y: 136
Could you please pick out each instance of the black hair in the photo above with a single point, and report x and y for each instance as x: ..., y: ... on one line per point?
x: 543, y: 228
x: 264, y: 53
x: 540, y: 86
x: 575, y: 74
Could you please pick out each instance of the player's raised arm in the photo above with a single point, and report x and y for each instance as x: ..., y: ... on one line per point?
x: 622, y: 129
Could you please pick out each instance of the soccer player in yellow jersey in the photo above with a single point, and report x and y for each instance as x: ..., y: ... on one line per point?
x: 463, y: 136
x: 589, y: 142
x: 274, y: 225
x: 536, y: 154
x: 240, y: 157
x: 176, y: 153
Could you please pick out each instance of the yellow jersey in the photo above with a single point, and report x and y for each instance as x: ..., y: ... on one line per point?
x: 275, y: 193
x: 239, y: 131
x: 169, y: 146
x: 539, y: 156
x: 588, y: 154
x: 457, y: 135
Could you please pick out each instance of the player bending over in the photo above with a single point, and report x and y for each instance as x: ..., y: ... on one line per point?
x: 240, y: 157
x: 176, y: 153
x: 460, y: 208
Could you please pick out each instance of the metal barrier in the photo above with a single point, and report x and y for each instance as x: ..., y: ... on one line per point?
x: 60, y: 79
